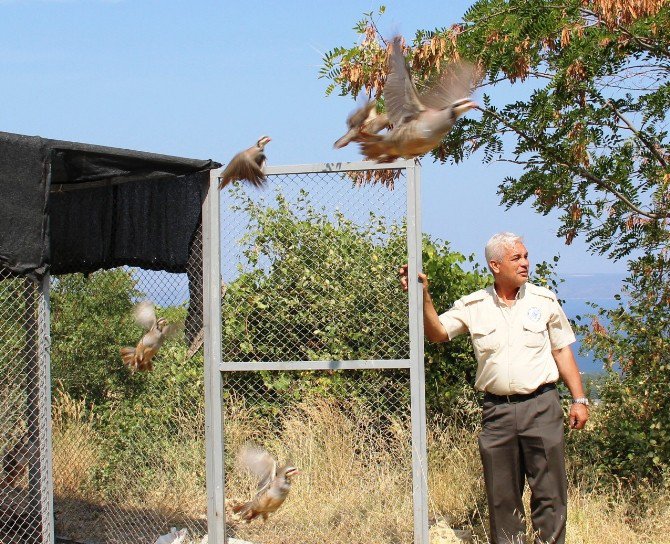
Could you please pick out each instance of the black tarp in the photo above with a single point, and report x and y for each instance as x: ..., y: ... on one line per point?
x: 71, y: 207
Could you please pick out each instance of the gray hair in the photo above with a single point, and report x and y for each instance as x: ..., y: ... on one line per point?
x: 497, y: 244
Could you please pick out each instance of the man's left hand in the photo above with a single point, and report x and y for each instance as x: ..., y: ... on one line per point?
x: 579, y: 415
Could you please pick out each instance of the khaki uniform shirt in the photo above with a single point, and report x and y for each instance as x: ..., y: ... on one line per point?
x: 512, y: 345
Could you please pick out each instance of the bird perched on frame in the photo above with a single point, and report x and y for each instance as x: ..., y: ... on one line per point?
x: 419, y: 121
x: 364, y: 119
x: 139, y: 357
x: 274, y: 483
x: 247, y: 165
x: 15, y: 461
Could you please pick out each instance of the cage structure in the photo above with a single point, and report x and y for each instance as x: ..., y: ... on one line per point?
x: 304, y: 345
x: 25, y: 441
x: 126, y: 472
x: 321, y: 355
x: 90, y: 450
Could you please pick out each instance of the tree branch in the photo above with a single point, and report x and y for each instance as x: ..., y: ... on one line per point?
x: 654, y: 150
x: 580, y: 170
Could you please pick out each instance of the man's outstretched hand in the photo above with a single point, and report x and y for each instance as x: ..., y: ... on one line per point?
x: 402, y: 276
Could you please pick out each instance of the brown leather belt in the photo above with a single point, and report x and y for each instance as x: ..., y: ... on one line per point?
x: 519, y: 397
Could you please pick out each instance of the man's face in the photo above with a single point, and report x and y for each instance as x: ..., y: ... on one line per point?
x: 513, y: 269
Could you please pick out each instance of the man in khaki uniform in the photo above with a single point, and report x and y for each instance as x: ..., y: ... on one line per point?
x: 522, y: 340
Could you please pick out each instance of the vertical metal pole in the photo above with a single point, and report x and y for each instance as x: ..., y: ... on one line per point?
x: 46, y: 454
x: 211, y: 274
x: 417, y: 375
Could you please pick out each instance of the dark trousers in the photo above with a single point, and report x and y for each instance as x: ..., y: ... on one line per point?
x: 524, y: 440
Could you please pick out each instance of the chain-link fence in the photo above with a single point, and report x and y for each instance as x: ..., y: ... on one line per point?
x: 129, y: 438
x: 316, y: 353
x: 25, y: 506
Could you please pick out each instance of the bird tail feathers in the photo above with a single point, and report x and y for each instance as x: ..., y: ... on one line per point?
x: 241, y: 508
x: 128, y: 356
x: 374, y: 148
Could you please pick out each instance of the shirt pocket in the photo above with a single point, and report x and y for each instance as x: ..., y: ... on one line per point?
x: 534, y: 333
x: 484, y: 338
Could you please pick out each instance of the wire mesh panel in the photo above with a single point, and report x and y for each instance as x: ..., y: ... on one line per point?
x: 309, y: 269
x: 347, y: 432
x: 25, y: 502
x: 316, y: 348
x: 128, y: 432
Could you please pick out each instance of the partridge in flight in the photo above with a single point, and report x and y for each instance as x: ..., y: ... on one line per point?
x: 274, y: 483
x: 247, y: 165
x: 419, y: 121
x: 139, y: 357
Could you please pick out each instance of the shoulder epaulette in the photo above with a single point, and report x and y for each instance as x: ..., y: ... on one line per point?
x: 475, y: 297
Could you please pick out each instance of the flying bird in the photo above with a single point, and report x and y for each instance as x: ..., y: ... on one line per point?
x: 247, y: 165
x: 419, y: 121
x: 364, y: 119
x: 139, y: 358
x: 274, y: 483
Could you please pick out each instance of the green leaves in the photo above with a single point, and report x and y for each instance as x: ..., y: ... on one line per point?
x: 587, y: 128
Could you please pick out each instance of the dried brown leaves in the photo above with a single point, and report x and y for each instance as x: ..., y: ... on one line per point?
x: 623, y: 12
x: 386, y: 178
x: 368, y: 70
x: 519, y: 68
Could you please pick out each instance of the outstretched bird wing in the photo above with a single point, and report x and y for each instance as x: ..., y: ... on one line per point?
x: 246, y: 165
x: 145, y: 314
x: 260, y: 463
x: 455, y: 82
x: 400, y: 96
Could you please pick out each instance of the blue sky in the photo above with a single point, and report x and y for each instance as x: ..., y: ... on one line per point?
x: 204, y: 79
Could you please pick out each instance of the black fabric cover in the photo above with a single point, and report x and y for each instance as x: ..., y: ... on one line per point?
x: 70, y: 207
x: 148, y: 224
x: 23, y: 202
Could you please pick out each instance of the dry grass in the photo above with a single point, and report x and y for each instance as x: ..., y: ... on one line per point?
x: 178, y: 475
x: 356, y: 485
x: 356, y: 482
x: 606, y: 519
x: 455, y: 478
x: 76, y: 449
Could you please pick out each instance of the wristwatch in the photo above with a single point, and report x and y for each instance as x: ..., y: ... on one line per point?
x: 581, y: 400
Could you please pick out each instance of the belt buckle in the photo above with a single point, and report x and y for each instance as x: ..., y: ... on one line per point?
x: 509, y: 400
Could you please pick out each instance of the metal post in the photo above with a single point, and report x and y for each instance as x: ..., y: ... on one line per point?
x: 211, y: 275
x: 417, y: 375
x: 46, y: 453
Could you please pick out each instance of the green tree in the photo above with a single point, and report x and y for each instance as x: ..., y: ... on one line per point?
x: 91, y: 318
x: 587, y: 129
x: 634, y: 427
x: 588, y: 124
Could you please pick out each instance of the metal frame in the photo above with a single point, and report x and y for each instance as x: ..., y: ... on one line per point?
x: 214, y: 424
x: 213, y: 379
x: 330, y: 167
x: 46, y: 461
x: 211, y: 272
x: 417, y: 374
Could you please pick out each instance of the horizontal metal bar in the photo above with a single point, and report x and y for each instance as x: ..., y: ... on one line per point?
x: 377, y: 364
x: 334, y: 167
